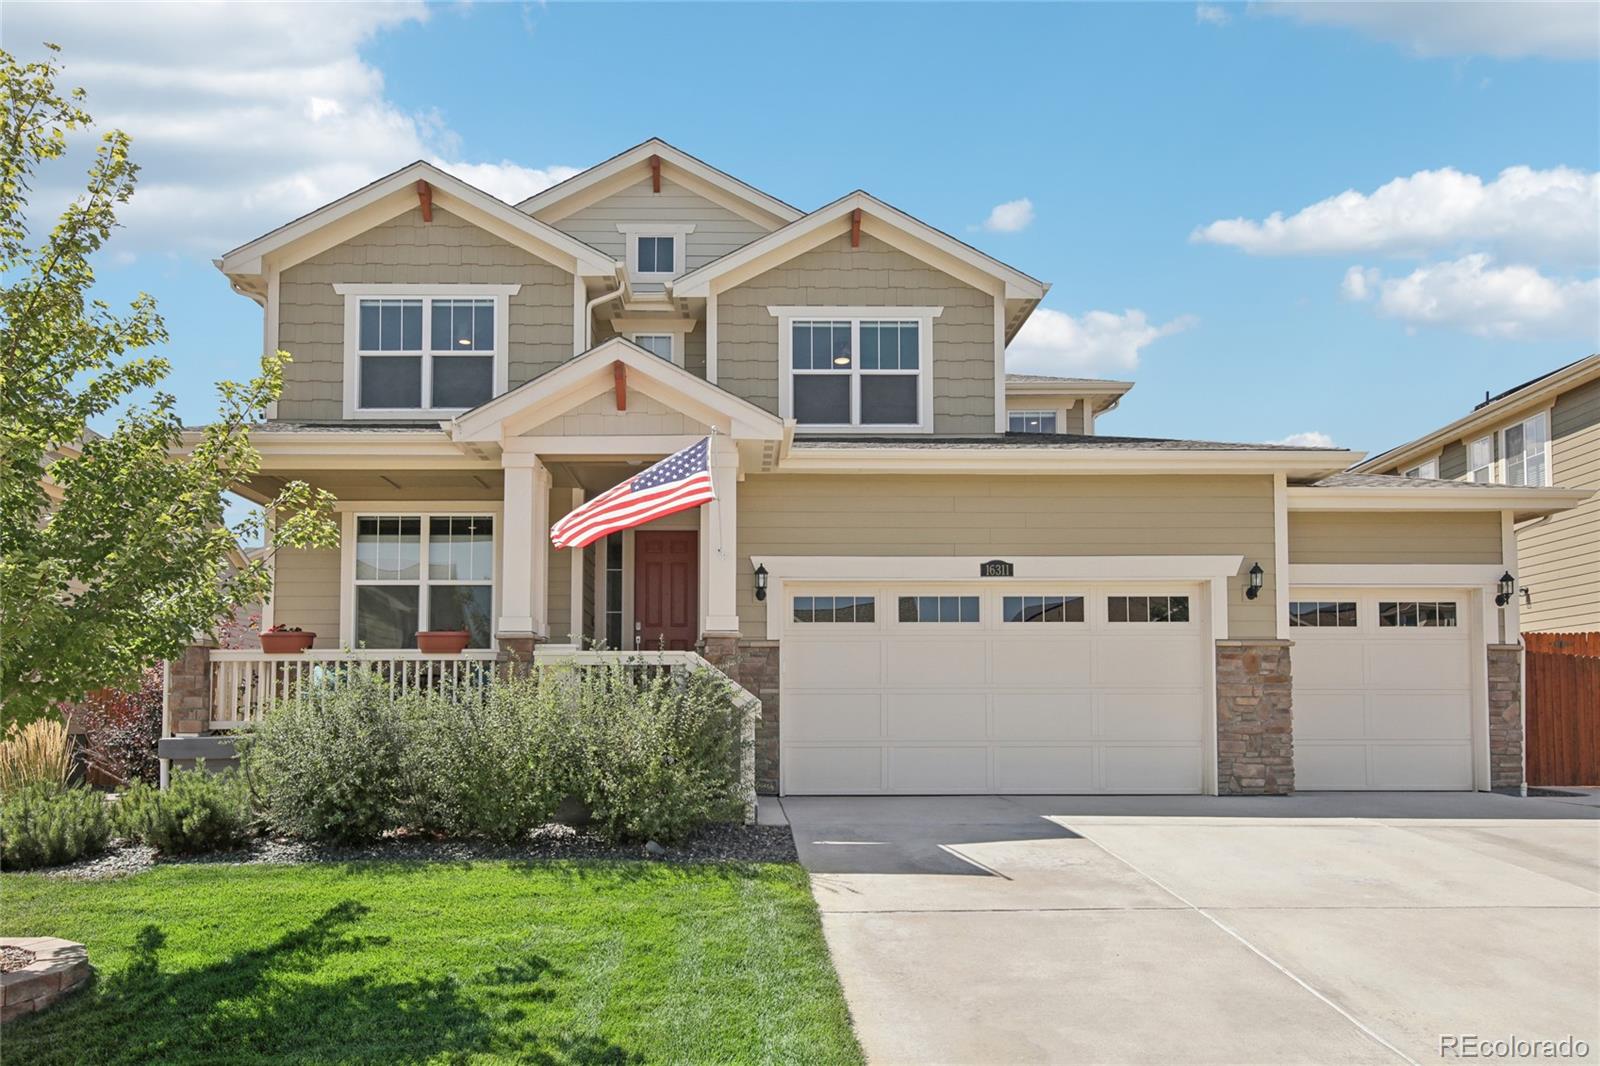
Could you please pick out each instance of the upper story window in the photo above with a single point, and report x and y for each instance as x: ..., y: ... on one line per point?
x: 856, y: 369
x: 655, y: 252
x: 1428, y: 470
x: 655, y: 343
x: 415, y: 350
x: 1526, y: 449
x: 1032, y: 421
x: 1480, y: 460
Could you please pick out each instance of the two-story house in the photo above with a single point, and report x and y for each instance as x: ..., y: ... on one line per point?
x: 938, y: 577
x: 1540, y: 433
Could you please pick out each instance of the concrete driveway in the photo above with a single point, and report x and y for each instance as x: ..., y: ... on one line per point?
x: 1319, y: 928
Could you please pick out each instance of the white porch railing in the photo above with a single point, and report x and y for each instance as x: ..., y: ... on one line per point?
x: 748, y: 703
x: 245, y: 685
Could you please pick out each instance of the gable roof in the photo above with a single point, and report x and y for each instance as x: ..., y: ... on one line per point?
x: 1018, y: 286
x: 1491, y: 410
x: 584, y: 376
x: 394, y: 194
x: 633, y: 157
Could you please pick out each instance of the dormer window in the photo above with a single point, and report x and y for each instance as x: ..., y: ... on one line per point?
x: 1032, y: 421
x: 655, y: 251
x: 423, y: 350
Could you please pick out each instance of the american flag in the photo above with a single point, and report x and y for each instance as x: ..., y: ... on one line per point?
x: 678, y: 482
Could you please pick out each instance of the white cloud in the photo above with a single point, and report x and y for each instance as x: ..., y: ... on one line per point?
x: 1212, y: 14
x: 1474, y: 295
x: 1013, y: 216
x: 1309, y: 439
x: 1506, y: 30
x: 1054, y: 342
x: 1551, y: 213
x: 243, y: 116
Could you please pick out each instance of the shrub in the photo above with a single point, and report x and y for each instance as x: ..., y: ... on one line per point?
x: 122, y: 728
x: 327, y: 765
x: 44, y: 825
x: 38, y: 753
x: 659, y: 751
x: 198, y: 812
x: 489, y: 763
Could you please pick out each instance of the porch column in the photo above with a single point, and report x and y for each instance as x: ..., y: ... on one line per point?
x: 722, y: 556
x: 526, y: 562
x: 575, y: 586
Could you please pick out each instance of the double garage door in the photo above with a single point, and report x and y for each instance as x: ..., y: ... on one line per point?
x: 1383, y: 688
x: 951, y: 688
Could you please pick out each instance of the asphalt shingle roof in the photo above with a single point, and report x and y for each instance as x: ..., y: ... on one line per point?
x: 1045, y: 440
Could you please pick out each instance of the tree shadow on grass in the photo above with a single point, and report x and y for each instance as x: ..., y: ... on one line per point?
x: 270, y: 1004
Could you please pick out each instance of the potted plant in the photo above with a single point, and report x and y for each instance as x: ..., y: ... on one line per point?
x: 286, y: 640
x: 443, y: 641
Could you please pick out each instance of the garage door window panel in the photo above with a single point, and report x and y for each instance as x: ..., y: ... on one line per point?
x: 944, y: 609
x: 814, y: 609
x: 1153, y: 609
x: 1323, y: 614
x: 1410, y: 614
x: 1042, y: 609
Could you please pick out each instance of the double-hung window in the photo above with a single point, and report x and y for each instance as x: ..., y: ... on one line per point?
x: 1428, y: 470
x: 1525, y: 446
x: 856, y: 368
x: 655, y: 343
x: 413, y: 350
x: 1480, y: 460
x: 433, y: 572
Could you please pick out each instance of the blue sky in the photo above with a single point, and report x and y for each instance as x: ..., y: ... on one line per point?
x: 1130, y: 129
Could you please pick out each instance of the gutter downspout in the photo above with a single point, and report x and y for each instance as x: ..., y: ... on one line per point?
x: 605, y: 297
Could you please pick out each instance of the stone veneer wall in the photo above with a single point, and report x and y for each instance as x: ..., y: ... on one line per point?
x: 1505, y: 716
x: 754, y: 665
x: 187, y: 699
x: 1255, y: 719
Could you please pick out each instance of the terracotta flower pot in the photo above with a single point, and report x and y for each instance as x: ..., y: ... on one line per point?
x: 286, y: 643
x: 443, y: 641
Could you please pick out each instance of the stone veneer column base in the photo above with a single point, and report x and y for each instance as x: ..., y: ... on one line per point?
x: 1255, y: 719
x: 187, y: 698
x: 1505, y: 716
x: 520, y: 651
x: 754, y: 665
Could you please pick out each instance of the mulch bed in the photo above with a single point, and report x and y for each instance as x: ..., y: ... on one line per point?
x: 13, y: 958
x: 713, y: 844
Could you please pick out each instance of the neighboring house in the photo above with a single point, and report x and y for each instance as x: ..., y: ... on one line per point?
x: 967, y: 586
x: 1545, y: 432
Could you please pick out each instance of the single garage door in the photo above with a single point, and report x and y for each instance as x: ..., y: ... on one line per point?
x: 1382, y: 689
x: 948, y: 688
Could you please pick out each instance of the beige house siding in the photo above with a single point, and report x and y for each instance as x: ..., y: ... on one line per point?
x: 717, y: 231
x: 1380, y: 537
x: 1453, y: 462
x: 1069, y: 411
x: 407, y: 250
x: 1558, y: 559
x: 694, y: 350
x: 306, y: 592
x: 935, y: 515
x: 873, y: 275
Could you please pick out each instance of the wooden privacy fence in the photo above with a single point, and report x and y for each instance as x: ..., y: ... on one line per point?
x: 1562, y: 694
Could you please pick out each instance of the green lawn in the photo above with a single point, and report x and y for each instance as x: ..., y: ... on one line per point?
x: 464, y: 962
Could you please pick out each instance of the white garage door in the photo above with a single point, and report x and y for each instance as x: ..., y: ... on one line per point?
x: 944, y: 688
x: 1382, y: 689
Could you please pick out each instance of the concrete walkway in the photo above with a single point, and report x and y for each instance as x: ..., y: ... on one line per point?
x: 1334, y: 928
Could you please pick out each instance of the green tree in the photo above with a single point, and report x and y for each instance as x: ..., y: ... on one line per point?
x: 114, y: 549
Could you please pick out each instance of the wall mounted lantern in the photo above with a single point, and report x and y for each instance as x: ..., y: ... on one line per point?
x: 1254, y: 588
x: 1508, y: 588
x: 761, y: 582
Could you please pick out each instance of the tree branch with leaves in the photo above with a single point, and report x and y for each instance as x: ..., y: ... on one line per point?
x: 115, y: 548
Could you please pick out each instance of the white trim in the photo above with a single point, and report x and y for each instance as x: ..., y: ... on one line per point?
x: 670, y: 156
x: 1396, y: 575
x: 350, y: 511
x: 1026, y: 459
x: 1280, y: 552
x: 1002, y: 418
x: 697, y: 282
x: 1468, y: 497
x: 353, y: 295
x: 890, y: 569
x: 678, y: 231
x: 580, y: 311
x: 1511, y: 614
x: 575, y: 583
x: 711, y: 338
x: 271, y: 323
x: 1426, y: 470
x: 1493, y: 441
x: 1088, y: 417
x: 923, y: 316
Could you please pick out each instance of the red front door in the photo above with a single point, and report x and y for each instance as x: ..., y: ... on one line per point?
x: 666, y: 581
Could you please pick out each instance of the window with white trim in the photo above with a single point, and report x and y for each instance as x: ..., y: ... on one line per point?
x: 856, y: 372
x: 938, y: 609
x: 1526, y: 450
x: 835, y: 609
x: 1480, y: 460
x: 416, y: 572
x: 1428, y: 470
x: 415, y: 350
x: 1416, y: 614
x: 655, y: 343
x: 655, y: 251
x: 1147, y: 608
x: 1031, y: 421
x: 1323, y: 614
x: 1041, y: 609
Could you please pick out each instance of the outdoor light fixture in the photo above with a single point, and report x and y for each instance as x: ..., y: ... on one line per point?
x: 1508, y: 588
x: 1254, y: 588
x: 761, y: 582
